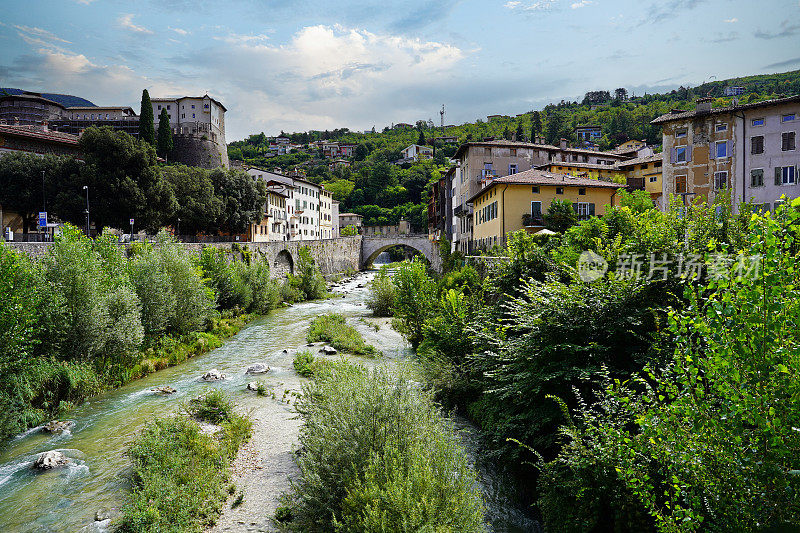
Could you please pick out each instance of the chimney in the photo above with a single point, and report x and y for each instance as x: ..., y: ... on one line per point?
x: 703, y: 105
x: 563, y: 144
x: 44, y: 125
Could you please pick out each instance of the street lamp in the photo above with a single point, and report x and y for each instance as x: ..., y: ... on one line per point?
x: 179, y: 228
x: 44, y: 203
x: 86, y: 188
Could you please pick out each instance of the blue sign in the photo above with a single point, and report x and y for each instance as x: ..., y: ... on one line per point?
x: 42, y: 219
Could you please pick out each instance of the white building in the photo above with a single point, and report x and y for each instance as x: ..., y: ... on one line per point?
x: 304, y: 222
x: 325, y: 214
x: 416, y: 152
x: 193, y: 114
x: 335, y: 218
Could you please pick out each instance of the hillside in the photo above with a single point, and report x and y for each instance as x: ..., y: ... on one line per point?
x: 383, y: 192
x: 67, y: 100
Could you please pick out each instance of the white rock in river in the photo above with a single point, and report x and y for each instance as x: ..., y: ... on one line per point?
x: 213, y: 375
x: 258, y: 368
x: 328, y: 350
x: 253, y: 385
x: 50, y: 460
x: 166, y: 389
x: 58, y: 426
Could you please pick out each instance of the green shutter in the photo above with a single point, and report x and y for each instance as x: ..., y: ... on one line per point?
x: 591, y: 209
x: 777, y: 175
x: 575, y: 207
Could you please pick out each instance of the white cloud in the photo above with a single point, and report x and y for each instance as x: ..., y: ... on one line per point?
x: 731, y: 21
x: 84, y: 2
x: 234, y: 38
x: 539, y: 5
x: 581, y: 3
x: 39, y: 33
x: 126, y: 21
x: 180, y: 31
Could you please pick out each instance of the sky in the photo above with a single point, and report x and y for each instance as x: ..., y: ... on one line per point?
x: 308, y: 64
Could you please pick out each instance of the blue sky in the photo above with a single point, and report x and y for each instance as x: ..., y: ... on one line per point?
x: 307, y: 64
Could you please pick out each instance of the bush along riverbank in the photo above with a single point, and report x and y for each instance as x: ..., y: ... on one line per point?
x: 652, y: 397
x: 87, y: 317
x: 180, y: 468
x: 378, y: 456
x: 334, y: 329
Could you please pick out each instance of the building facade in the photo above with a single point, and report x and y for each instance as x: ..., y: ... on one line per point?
x: 29, y: 109
x: 334, y: 218
x: 325, y: 214
x: 350, y: 219
x: 518, y: 202
x: 645, y: 174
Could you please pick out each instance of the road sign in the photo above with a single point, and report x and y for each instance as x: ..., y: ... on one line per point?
x: 131, y: 222
x: 42, y: 219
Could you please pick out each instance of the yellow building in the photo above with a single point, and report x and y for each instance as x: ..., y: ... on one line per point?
x: 644, y: 173
x: 518, y: 202
x: 586, y: 170
x: 274, y: 225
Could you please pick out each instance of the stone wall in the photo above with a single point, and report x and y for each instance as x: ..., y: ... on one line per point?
x: 196, y: 151
x: 333, y: 256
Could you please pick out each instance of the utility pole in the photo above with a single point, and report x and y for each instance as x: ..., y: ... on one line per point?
x: 86, y: 188
x: 44, y: 205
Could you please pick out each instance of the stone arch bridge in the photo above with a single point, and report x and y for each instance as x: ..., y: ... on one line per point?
x: 372, y: 246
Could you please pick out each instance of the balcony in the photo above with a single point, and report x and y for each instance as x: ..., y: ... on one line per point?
x: 532, y: 221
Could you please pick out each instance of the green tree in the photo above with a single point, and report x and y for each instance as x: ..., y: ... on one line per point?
x: 242, y: 199
x: 421, y: 138
x: 165, y: 143
x: 560, y: 216
x: 536, y: 125
x: 415, y: 298
x: 361, y: 152
x: 199, y: 207
x: 147, y: 132
x: 637, y: 201
x: 520, y: 133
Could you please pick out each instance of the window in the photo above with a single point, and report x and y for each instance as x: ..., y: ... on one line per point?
x: 720, y: 180
x: 758, y: 121
x: 785, y: 176
x: 757, y: 145
x: 721, y: 127
x: 535, y: 189
x: 192, y: 106
x: 559, y: 190
x: 582, y: 192
x: 512, y: 152
x: 787, y: 118
x: 159, y: 107
x: 653, y: 179
x: 721, y: 150
x: 681, y: 132
x: 680, y: 155
x: 787, y: 141
x: 536, y: 210
x: 583, y: 209
x: 757, y: 177
x: 512, y: 169
x: 167, y: 107
x: 680, y: 184
x: 192, y: 115
x: 574, y: 157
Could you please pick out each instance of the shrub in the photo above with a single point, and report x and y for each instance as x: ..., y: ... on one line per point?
x: 392, y: 464
x: 265, y: 291
x: 19, y: 303
x: 304, y: 363
x: 213, y: 407
x: 180, y: 475
x: 414, y: 299
x: 308, y: 280
x: 560, y: 216
x: 225, y: 277
x: 333, y: 329
x: 381, y: 295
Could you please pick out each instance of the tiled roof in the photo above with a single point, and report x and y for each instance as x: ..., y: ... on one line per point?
x: 34, y: 133
x: 542, y: 177
x: 350, y: 215
x: 640, y: 160
x: 579, y: 165
x: 680, y: 115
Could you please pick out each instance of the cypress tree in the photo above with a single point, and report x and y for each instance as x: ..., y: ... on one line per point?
x: 164, y: 146
x: 536, y: 125
x: 147, y: 130
x: 421, y: 138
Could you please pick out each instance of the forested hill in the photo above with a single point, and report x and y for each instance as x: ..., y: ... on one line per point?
x: 383, y: 192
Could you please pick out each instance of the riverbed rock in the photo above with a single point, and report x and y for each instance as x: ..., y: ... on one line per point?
x: 50, y: 460
x: 102, y: 515
x: 253, y: 385
x: 58, y: 426
x: 328, y: 350
x: 258, y: 368
x: 166, y: 389
x: 213, y: 375
x: 285, y: 351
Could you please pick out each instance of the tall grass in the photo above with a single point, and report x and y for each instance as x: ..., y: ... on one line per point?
x: 379, y: 457
x: 180, y: 473
x: 333, y: 329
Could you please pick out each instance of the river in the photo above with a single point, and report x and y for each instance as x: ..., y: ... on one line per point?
x: 66, y: 500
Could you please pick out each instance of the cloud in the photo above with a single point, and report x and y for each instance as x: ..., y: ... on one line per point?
x: 786, y: 63
x: 234, y: 38
x: 84, y: 2
x: 126, y: 21
x: 539, y: 5
x: 179, y: 31
x: 724, y: 37
x: 416, y: 19
x: 731, y: 21
x: 581, y: 3
x: 39, y: 33
x: 786, y: 29
x: 669, y: 9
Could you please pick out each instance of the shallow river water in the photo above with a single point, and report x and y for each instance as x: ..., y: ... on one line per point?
x: 66, y: 500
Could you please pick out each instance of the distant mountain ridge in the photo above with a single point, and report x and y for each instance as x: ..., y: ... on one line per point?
x: 67, y: 100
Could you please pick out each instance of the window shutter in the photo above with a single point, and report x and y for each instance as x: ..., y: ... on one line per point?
x: 688, y: 153
x: 591, y: 209
x: 777, y: 175
x: 729, y: 148
x: 575, y: 207
x: 712, y: 151
x: 672, y: 153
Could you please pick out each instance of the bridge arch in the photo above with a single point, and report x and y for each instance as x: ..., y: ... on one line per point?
x: 371, y: 247
x: 283, y: 264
